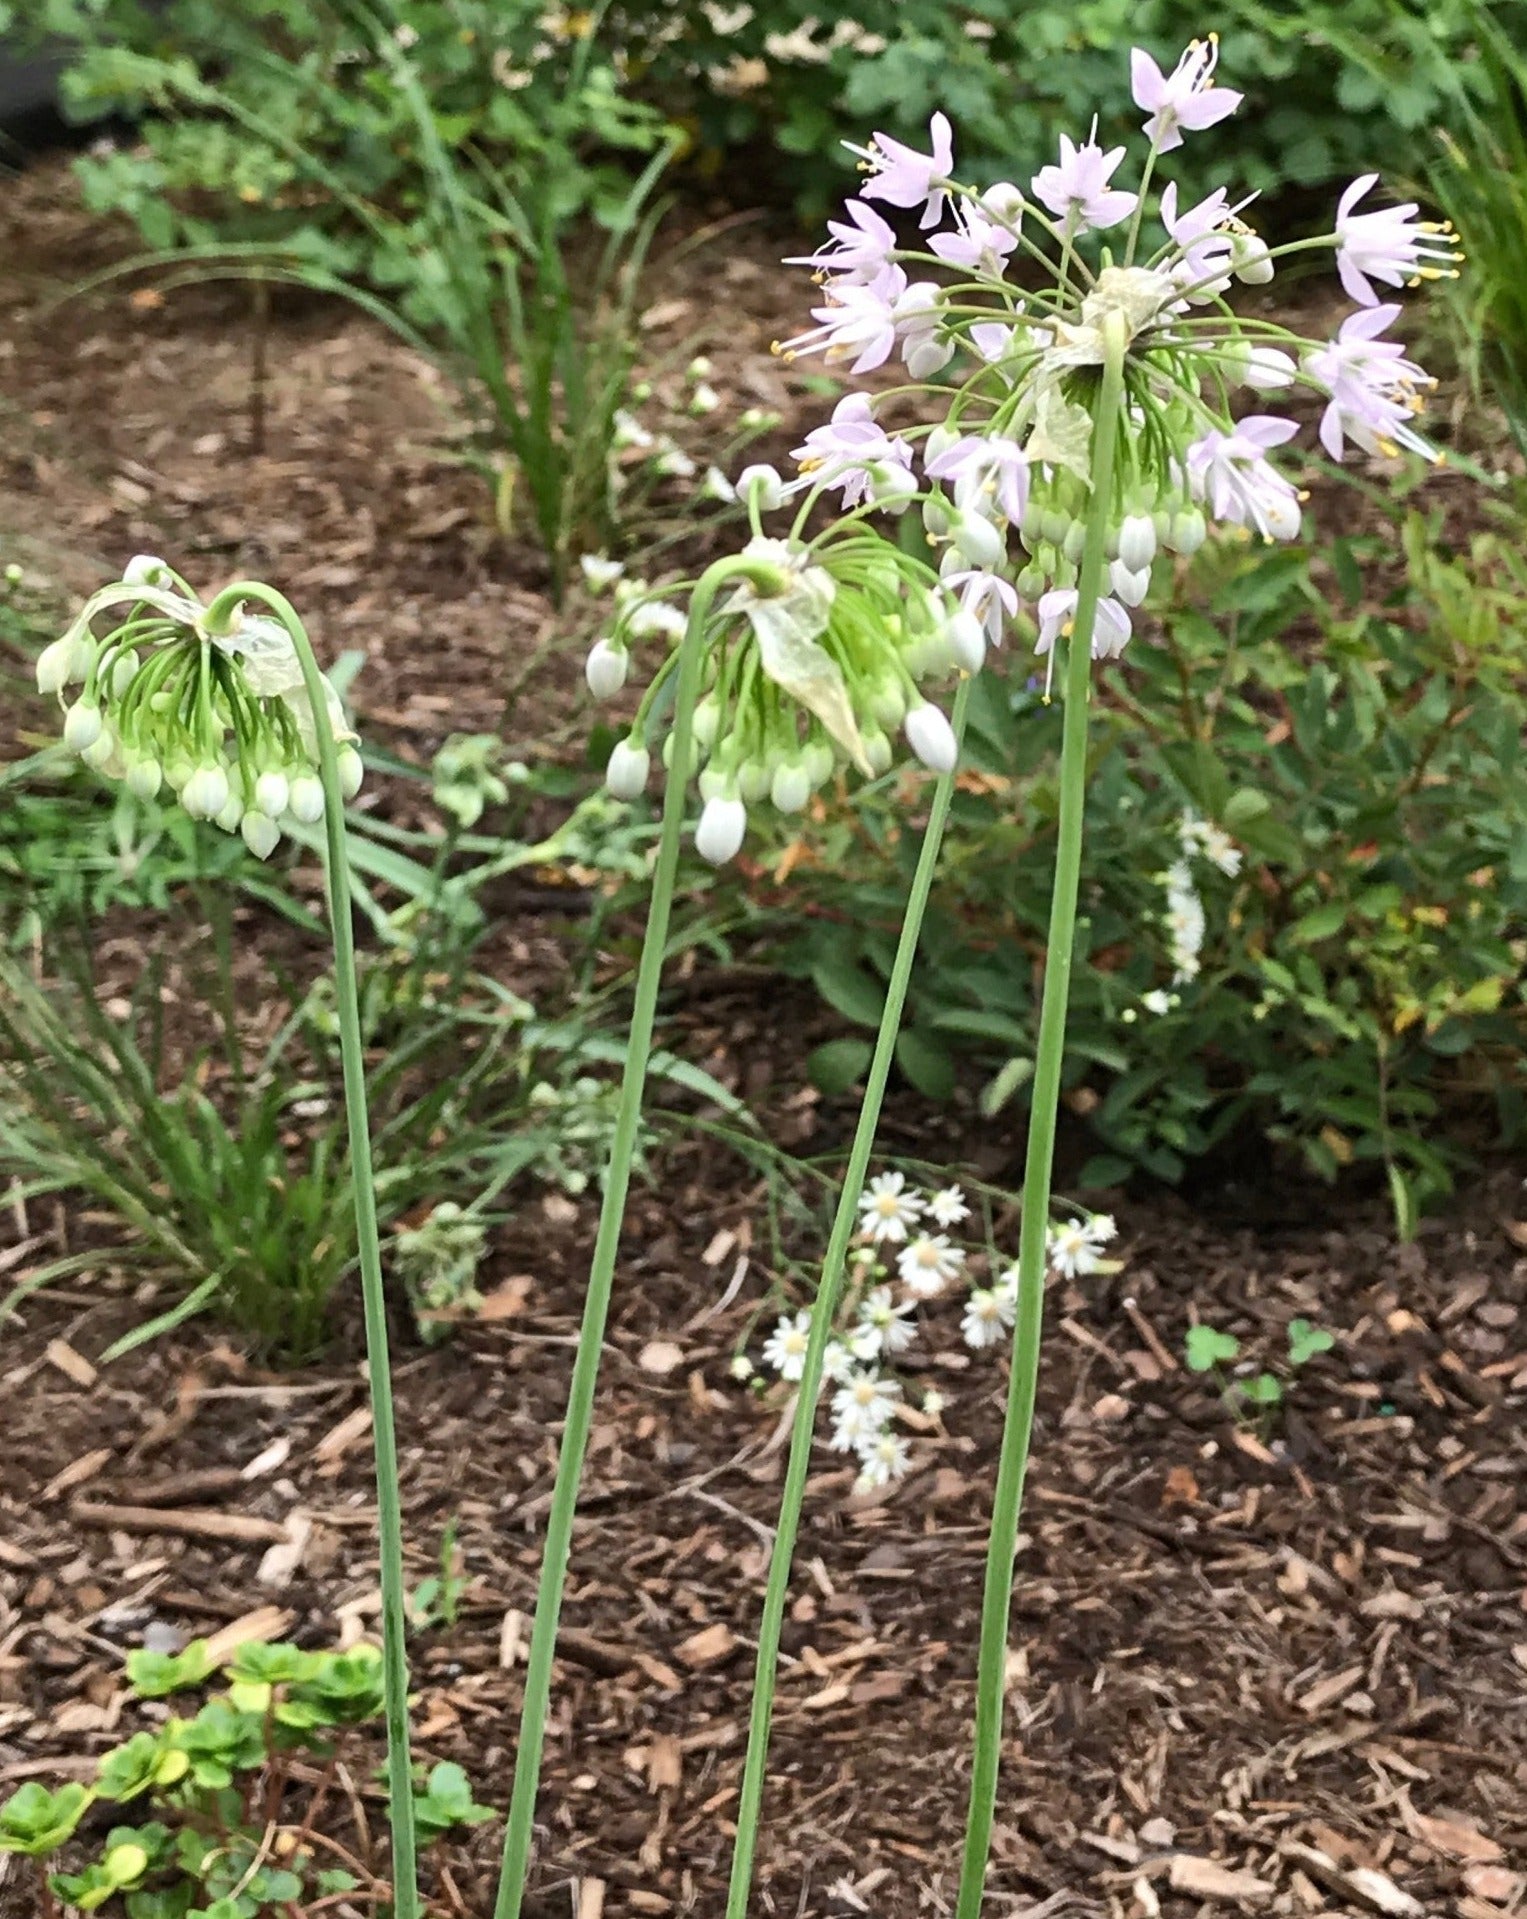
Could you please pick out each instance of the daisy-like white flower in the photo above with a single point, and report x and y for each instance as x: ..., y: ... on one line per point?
x: 885, y: 1458
x: 838, y: 1363
x: 1005, y: 1285
x: 1158, y: 1001
x: 1185, y: 98
x: 785, y: 1348
x: 1211, y: 841
x: 1076, y: 190
x: 861, y: 1407
x: 1375, y: 391
x: 893, y: 1325
x: 1185, y: 922
x: 1074, y: 1247
x: 1389, y: 244
x: 887, y: 1208
x: 988, y: 1317
x: 928, y: 1264
x: 947, y: 1207
x: 741, y: 1367
x: 1231, y: 471
x: 904, y: 177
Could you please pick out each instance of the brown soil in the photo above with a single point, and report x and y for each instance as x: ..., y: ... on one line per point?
x: 1294, y: 1653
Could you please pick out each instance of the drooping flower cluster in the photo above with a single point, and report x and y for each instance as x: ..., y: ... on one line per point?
x: 816, y: 656
x: 221, y: 718
x: 1006, y: 475
x: 904, y: 1258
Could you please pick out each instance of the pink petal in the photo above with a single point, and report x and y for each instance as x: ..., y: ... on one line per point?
x: 1355, y: 283
x: 1370, y: 323
x: 1208, y: 109
x: 1330, y: 431
x: 1147, y: 82
x: 1353, y: 194
x: 943, y: 142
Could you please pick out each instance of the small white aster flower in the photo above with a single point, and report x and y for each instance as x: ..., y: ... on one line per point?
x: 887, y: 1209
x: 1075, y: 1245
x: 928, y: 1264
x: 893, y: 1325
x: 1006, y: 1285
x: 837, y: 1362
x: 987, y: 1318
x: 861, y: 1407
x: 741, y: 1367
x: 933, y: 1402
x: 947, y: 1207
x: 883, y: 1459
x: 1158, y: 1000
x: 785, y: 1348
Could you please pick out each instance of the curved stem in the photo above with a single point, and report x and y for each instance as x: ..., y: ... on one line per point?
x: 1049, y: 1059
x: 802, y: 1430
x: 400, y: 1789
x: 520, y: 1830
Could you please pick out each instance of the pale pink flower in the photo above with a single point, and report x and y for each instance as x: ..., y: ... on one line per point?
x: 1057, y: 615
x: 1185, y: 98
x: 994, y: 469
x: 1232, y: 474
x: 988, y: 596
x: 1077, y: 191
x: 860, y: 246
x: 1375, y: 391
x: 975, y: 242
x: 851, y: 451
x: 1388, y: 244
x: 858, y: 320
x: 905, y: 177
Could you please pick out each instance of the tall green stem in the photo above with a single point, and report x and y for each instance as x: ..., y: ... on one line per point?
x: 580, y: 1403
x: 803, y: 1427
x: 400, y: 1790
x: 1023, y: 1383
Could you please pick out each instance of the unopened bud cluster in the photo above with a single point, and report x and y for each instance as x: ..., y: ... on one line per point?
x: 220, y: 718
x: 816, y: 657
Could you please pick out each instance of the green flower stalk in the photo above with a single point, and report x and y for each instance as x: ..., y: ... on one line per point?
x: 230, y: 709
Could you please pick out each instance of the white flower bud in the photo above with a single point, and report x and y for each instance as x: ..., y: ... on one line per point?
x: 1250, y: 261
x: 606, y: 669
x: 1032, y: 582
x: 598, y: 572
x: 722, y: 826
x: 754, y: 779
x: 819, y: 761
x: 1004, y: 202
x: 261, y: 834
x: 102, y: 750
x: 352, y: 771
x: 64, y: 660
x: 124, y: 670
x: 888, y: 703
x: 1129, y: 585
x: 714, y: 781
x: 13, y: 574
x: 82, y: 725
x: 978, y: 540
x: 892, y: 487
x: 1189, y: 531
x: 1137, y: 542
x: 877, y: 750
x: 966, y: 638
x: 205, y: 794
x: 761, y: 485
x: 144, y: 778
x: 931, y: 737
x: 669, y: 756
x: 143, y: 569
x: 231, y: 812
x: 271, y: 794
x: 305, y: 800
x: 791, y: 786
x: 1074, y: 545
x: 628, y: 769
x: 927, y: 354
x: 705, y: 399
x: 936, y: 520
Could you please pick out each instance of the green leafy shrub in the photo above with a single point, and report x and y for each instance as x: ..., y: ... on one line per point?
x: 1338, y: 87
x: 1358, y: 983
x: 229, y: 1818
x: 312, y: 93
x: 1479, y: 179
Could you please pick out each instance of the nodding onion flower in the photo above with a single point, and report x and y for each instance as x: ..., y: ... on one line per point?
x: 221, y: 718
x: 1015, y: 288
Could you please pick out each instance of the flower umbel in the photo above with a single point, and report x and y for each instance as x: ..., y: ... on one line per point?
x: 218, y: 713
